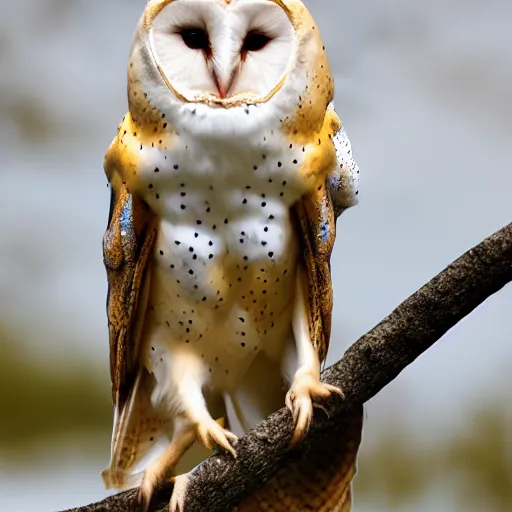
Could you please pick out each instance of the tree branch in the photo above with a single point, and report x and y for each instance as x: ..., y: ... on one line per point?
x: 221, y: 482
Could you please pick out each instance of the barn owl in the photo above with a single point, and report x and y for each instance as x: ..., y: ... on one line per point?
x: 227, y: 175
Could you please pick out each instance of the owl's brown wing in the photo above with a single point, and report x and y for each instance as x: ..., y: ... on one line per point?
x: 127, y: 245
x: 317, y: 227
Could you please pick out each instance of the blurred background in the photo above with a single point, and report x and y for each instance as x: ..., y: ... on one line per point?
x: 424, y: 89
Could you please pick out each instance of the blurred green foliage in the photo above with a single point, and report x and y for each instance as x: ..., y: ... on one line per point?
x: 473, y: 462
x: 38, y: 404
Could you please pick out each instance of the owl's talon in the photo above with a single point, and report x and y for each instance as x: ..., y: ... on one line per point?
x: 211, y: 434
x: 299, y: 400
x: 146, y: 490
x: 144, y: 496
x: 159, y: 470
x: 322, y: 408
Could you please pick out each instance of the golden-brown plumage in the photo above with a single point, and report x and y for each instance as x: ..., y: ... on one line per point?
x: 127, y: 246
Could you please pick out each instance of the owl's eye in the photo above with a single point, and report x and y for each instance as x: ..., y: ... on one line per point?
x: 255, y: 41
x: 195, y: 38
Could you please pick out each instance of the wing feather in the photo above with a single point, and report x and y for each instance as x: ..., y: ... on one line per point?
x: 317, y: 214
x: 343, y: 181
x: 127, y: 245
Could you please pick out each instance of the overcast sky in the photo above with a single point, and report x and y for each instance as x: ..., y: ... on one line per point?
x: 423, y: 89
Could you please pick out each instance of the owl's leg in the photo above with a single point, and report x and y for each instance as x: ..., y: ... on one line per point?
x: 306, y: 385
x: 191, y: 420
x: 188, y: 380
x: 156, y: 473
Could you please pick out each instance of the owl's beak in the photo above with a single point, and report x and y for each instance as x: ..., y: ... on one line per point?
x: 224, y: 79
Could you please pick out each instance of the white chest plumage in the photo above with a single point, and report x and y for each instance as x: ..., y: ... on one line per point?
x: 225, y: 257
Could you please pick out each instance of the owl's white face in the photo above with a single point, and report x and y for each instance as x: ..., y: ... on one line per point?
x: 223, y: 51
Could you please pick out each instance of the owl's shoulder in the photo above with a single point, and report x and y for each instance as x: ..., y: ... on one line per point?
x: 132, y: 146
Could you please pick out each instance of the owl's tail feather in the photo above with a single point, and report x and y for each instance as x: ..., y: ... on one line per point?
x: 240, y: 412
x: 139, y: 436
x: 260, y: 392
x: 319, y: 477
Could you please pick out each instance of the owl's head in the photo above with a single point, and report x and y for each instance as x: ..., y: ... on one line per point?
x: 223, y: 55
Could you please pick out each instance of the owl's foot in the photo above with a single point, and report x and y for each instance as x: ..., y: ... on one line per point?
x: 211, y: 434
x: 177, y: 503
x: 305, y: 389
x: 188, y: 393
x: 158, y: 471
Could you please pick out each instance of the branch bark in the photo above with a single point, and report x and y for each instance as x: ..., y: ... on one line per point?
x: 220, y: 483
